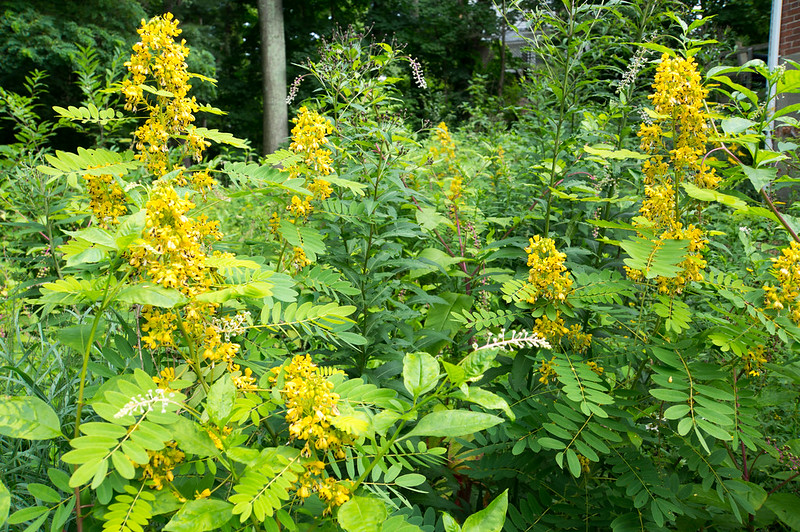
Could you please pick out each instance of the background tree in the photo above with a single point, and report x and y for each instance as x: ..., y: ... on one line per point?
x: 273, y: 73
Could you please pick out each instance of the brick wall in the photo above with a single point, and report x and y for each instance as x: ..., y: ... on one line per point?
x: 790, y: 28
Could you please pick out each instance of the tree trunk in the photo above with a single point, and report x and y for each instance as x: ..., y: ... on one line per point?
x: 273, y: 73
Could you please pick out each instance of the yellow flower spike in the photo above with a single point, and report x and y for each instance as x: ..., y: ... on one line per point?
x: 548, y: 277
x: 106, y: 199
x: 547, y: 371
x: 160, y: 60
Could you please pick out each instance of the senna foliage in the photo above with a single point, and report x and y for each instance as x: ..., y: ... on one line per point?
x: 379, y: 330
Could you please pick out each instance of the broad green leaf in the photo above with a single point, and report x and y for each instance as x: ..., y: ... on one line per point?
x: 77, y: 336
x: 44, y: 493
x: 221, y: 397
x: 705, y: 194
x: 362, y: 514
x: 397, y: 523
x: 453, y: 423
x: 787, y: 507
x: 429, y: 218
x: 486, y: 399
x: 28, y: 418
x: 192, y: 439
x: 450, y: 524
x: 201, y: 515
x: 5, y: 503
x: 734, y: 125
x: 420, y: 373
x: 490, y: 519
x: 760, y: 177
x: 151, y: 294
x: 655, y: 258
x: 27, y: 514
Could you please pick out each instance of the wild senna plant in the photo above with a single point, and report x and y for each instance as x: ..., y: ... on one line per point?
x: 207, y: 430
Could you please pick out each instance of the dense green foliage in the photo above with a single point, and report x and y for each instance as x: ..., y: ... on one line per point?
x: 578, y: 310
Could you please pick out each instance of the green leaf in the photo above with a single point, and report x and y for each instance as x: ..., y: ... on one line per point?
x: 201, y: 515
x: 490, y: 519
x: 410, y: 480
x: 192, y: 439
x: 655, y: 258
x: 44, y: 493
x: 573, y: 463
x: 28, y: 418
x: 123, y: 465
x: 5, y: 503
x: 362, y: 514
x: 420, y: 373
x: 787, y: 507
x: 486, y: 399
x: 450, y: 524
x: 221, y: 398
x: 151, y: 294
x: 734, y: 125
x: 27, y: 514
x: 674, y: 396
x: 705, y: 194
x: 760, y: 177
x: 453, y: 423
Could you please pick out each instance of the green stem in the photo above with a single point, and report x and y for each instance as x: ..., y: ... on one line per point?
x: 194, y: 360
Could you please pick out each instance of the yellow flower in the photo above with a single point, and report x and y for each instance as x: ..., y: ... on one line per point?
x: 309, y: 136
x: 310, y: 406
x: 159, y: 59
x: 547, y: 371
x: 579, y: 340
x: 550, y: 330
x: 106, y: 199
x: 754, y: 361
x: 159, y: 468
x: 786, y: 295
x: 548, y: 277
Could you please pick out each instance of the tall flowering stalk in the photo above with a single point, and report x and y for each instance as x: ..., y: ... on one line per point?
x: 310, y: 140
x: 159, y: 59
x: 676, y: 140
x: 175, y: 244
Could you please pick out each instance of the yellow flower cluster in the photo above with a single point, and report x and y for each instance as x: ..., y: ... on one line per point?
x: 585, y: 463
x: 676, y: 142
x: 331, y: 492
x: 444, y: 146
x: 218, y: 436
x: 578, y: 340
x: 309, y: 136
x: 786, y: 269
x: 172, y: 254
x: 201, y: 181
x: 754, y: 361
x: 548, y: 276
x: 165, y: 378
x: 299, y: 259
x: 310, y: 407
x: 161, y: 464
x: 547, y: 371
x: 106, y: 199
x: 550, y: 330
x: 158, y: 57
x: 594, y: 366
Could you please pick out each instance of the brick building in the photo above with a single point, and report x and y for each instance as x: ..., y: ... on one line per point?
x: 789, y: 46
